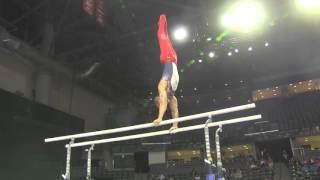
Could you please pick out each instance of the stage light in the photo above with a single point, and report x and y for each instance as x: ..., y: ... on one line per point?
x: 211, y: 54
x: 193, y: 152
x: 309, y: 7
x: 308, y: 4
x: 200, y: 60
x: 250, y: 48
x: 236, y: 50
x: 266, y: 44
x: 209, y: 39
x: 244, y: 16
x: 180, y: 33
x: 229, y: 53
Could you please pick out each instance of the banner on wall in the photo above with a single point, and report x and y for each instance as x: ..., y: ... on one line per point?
x: 95, y: 8
x: 157, y: 157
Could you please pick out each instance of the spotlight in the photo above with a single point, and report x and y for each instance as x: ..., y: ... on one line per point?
x: 211, y: 54
x: 229, y: 53
x: 309, y: 7
x: 308, y: 4
x: 236, y: 50
x: 180, y: 34
x: 266, y: 44
x: 209, y: 39
x: 244, y: 16
x: 200, y: 60
x: 250, y: 48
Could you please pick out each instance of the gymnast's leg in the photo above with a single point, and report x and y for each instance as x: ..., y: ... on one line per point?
x: 161, y: 101
x: 173, y: 105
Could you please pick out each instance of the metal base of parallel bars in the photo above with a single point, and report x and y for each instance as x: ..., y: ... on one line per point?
x: 67, y: 174
x: 89, y: 162
x: 208, y: 160
x: 218, y: 149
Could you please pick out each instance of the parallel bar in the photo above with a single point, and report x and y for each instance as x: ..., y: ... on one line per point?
x: 148, y: 125
x: 263, y: 132
x: 159, y: 133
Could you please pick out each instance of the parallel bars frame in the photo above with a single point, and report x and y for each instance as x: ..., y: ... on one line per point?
x: 165, y: 132
x: 149, y: 125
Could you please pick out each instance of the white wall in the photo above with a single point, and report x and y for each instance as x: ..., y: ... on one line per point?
x: 85, y: 105
x: 125, y: 116
x: 18, y: 74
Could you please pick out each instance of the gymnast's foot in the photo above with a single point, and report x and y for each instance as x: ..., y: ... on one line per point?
x: 157, y: 122
x: 173, y: 127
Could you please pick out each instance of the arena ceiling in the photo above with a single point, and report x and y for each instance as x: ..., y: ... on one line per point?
x: 126, y: 51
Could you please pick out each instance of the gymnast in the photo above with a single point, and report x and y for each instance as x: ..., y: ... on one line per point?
x: 169, y: 81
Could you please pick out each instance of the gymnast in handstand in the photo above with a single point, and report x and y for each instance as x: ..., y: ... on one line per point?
x: 169, y: 81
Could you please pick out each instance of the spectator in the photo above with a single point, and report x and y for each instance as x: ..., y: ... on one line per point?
x: 193, y: 173
x: 263, y: 154
x: 197, y: 177
x: 232, y: 173
x: 285, y: 157
x: 252, y: 165
x: 270, y: 163
x: 161, y: 177
x: 238, y: 174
